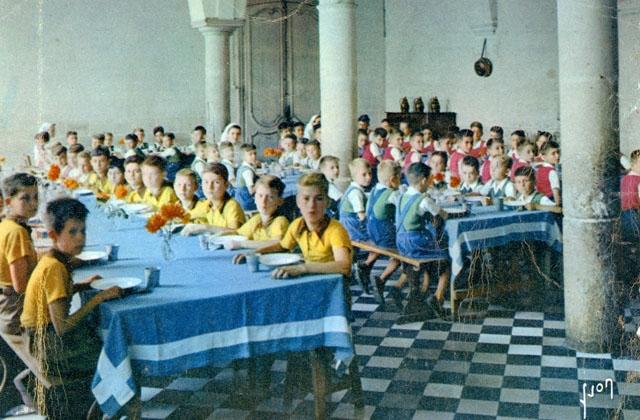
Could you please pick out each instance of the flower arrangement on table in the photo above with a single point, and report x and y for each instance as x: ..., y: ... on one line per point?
x: 120, y: 192
x: 454, y: 182
x: 54, y: 173
x: 164, y: 221
x: 272, y: 152
x: 70, y: 184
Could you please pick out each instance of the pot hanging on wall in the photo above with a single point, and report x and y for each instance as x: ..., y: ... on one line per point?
x: 484, y: 66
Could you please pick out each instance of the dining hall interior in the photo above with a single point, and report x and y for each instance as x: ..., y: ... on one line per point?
x: 540, y: 309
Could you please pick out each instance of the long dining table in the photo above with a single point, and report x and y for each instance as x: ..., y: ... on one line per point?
x: 206, y: 310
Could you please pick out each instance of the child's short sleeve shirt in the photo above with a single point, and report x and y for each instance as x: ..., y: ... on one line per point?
x: 314, y: 247
x: 357, y: 198
x: 15, y: 243
x: 230, y: 216
x: 166, y: 196
x: 253, y: 229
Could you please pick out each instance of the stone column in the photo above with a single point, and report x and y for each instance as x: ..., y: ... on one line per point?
x: 338, y: 98
x: 216, y: 77
x: 587, y: 38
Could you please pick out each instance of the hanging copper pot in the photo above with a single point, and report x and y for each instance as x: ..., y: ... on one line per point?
x: 484, y: 66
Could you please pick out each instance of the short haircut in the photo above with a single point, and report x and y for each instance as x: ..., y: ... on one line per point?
x: 314, y: 143
x: 549, y: 146
x: 387, y: 169
x: 99, y: 137
x: 380, y: 132
x: 426, y: 127
x: 451, y: 135
x: 417, y: 134
x: 138, y: 129
x: 131, y: 137
x: 504, y: 161
x: 476, y: 124
x: 358, y: 163
x: 284, y: 126
x: 363, y: 132
x: 170, y: 135
x: 85, y: 154
x: 315, y: 179
x: 453, y: 128
x: 305, y: 140
x: 59, y: 150
x: 492, y: 141
x: 101, y: 151
x: 226, y: 145
x: 466, y: 133
x: 273, y: 183
x: 526, y: 171
x: 108, y: 134
x: 522, y: 143
x: 328, y: 159
x: 292, y: 137
x: 519, y: 133
x: 158, y: 129
x: 384, y: 120
x: 202, y: 143
x: 117, y: 163
x: 188, y: 173
x: 72, y: 133
x: 442, y: 154
x: 416, y: 172
x: 635, y: 155
x: 43, y: 135
x: 497, y: 129
x: 17, y: 182
x: 364, y: 118
x: 76, y: 148
x: 395, y: 135
x: 471, y: 161
x: 61, y: 210
x: 298, y: 124
x: 216, y: 169
x: 155, y: 161
x: 247, y: 147
x: 200, y: 128
x: 133, y: 159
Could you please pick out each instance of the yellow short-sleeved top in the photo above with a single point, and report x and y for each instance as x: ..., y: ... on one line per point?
x: 254, y: 230
x: 316, y: 248
x: 15, y: 243
x: 100, y: 185
x: 49, y: 282
x: 167, y: 195
x: 134, y: 197
x: 230, y: 215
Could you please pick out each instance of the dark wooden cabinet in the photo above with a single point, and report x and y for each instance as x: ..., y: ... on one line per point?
x: 439, y: 121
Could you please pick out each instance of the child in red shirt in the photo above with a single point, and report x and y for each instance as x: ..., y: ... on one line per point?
x: 630, y: 200
x: 525, y: 156
x: 495, y: 148
x: 464, y: 148
x: 547, y: 179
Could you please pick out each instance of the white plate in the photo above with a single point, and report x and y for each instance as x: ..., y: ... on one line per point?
x: 89, y: 256
x: 221, y: 240
x: 451, y: 193
x: 275, y: 260
x: 121, y: 282
x: 473, y: 198
x: 517, y: 203
x: 82, y: 191
x: 136, y: 208
x: 455, y: 210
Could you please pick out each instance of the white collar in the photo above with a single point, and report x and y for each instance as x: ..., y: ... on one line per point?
x: 497, y: 185
x: 354, y: 184
x: 412, y: 191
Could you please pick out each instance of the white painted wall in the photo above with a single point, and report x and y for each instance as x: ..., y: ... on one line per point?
x: 370, y: 52
x: 629, y: 84
x: 431, y: 49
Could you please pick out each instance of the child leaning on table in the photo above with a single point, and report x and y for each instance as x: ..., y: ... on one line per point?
x: 99, y: 181
x: 17, y: 254
x: 185, y: 186
x: 500, y: 186
x: 470, y: 176
x: 133, y: 176
x: 525, y: 156
x: 156, y: 193
x: 324, y: 243
x: 526, y: 188
x: 63, y: 344
x: 495, y: 148
x: 268, y: 226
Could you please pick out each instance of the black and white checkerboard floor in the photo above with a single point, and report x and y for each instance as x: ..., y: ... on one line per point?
x: 507, y: 364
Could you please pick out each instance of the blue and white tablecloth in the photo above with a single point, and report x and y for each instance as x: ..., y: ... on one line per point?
x: 496, y: 229
x: 206, y: 311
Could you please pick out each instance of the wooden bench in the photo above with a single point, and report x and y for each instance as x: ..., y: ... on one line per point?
x: 412, y: 267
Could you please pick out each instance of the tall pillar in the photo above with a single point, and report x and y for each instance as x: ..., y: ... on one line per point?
x: 216, y: 77
x: 587, y: 38
x: 338, y: 99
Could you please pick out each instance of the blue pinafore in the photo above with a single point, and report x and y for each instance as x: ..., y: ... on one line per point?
x: 381, y: 230
x: 242, y: 193
x: 349, y: 219
x: 421, y: 242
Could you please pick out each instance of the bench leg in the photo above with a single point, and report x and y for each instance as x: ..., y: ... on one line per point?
x: 24, y: 394
x: 356, y: 384
x: 319, y: 384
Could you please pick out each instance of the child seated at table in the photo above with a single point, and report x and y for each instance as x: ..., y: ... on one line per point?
x: 495, y: 148
x: 330, y: 168
x: 374, y: 152
x: 227, y: 155
x: 185, y: 186
x: 157, y: 193
x: 268, y: 226
x: 212, y: 154
x: 17, y: 253
x: 98, y: 181
x: 430, y: 143
x: 525, y: 156
x: 516, y: 137
x: 132, y: 146
x: 288, y: 144
x: 547, y: 178
x: 60, y: 154
x: 500, y: 186
x: 74, y: 161
x: 526, y: 191
x: 362, y: 141
x: 380, y: 224
x: 325, y: 244
x: 200, y: 160
x: 630, y: 200
x: 470, y: 176
x: 246, y: 177
x: 415, y: 152
x: 116, y: 175
x: 301, y: 152
x: 41, y: 158
x: 133, y: 176
x: 463, y: 148
x: 218, y: 211
x: 353, y: 203
x: 84, y: 160
x: 479, y: 149
x: 496, y: 132
x: 437, y: 166
x: 64, y: 344
x: 394, y: 151
x: 417, y: 216
x: 314, y: 154
x: 97, y: 140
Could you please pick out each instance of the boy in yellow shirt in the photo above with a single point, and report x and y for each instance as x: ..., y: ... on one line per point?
x: 218, y: 212
x: 153, y: 177
x: 324, y: 243
x: 99, y: 181
x: 185, y: 186
x: 17, y: 254
x: 133, y: 176
x: 268, y: 226
x: 64, y: 344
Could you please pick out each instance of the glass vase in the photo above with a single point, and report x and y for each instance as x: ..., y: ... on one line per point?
x: 167, y: 250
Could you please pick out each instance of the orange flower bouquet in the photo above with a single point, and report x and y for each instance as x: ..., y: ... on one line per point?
x: 438, y: 177
x: 120, y: 191
x: 272, y: 152
x: 70, y: 184
x: 164, y: 221
x: 454, y: 182
x: 54, y: 173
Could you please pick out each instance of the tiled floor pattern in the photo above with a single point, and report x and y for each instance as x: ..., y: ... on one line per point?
x: 507, y: 364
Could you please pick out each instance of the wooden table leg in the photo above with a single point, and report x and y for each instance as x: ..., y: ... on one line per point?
x: 319, y: 384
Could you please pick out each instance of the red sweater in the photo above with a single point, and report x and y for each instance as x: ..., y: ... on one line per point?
x: 629, y: 191
x: 543, y: 185
x: 517, y: 164
x: 454, y: 162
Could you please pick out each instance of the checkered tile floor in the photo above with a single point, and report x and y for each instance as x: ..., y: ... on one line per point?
x: 507, y: 364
